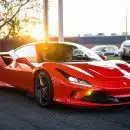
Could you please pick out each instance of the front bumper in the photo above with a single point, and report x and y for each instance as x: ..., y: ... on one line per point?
x: 96, y: 99
x: 76, y: 103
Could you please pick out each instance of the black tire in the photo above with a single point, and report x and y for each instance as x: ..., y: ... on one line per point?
x: 125, y: 58
x: 115, y: 55
x: 43, y: 89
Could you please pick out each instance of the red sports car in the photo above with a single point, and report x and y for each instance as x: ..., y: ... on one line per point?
x: 66, y: 73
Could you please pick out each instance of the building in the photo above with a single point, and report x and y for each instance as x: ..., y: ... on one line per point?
x: 91, y: 41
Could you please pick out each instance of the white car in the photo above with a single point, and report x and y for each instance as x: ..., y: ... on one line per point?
x: 125, y: 50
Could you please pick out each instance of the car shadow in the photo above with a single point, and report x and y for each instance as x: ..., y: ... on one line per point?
x: 115, y: 109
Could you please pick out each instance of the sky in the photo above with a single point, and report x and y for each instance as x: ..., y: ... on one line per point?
x: 90, y: 16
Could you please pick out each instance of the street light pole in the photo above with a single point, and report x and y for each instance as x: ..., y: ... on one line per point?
x: 60, y: 20
x: 126, y: 37
x: 46, y: 33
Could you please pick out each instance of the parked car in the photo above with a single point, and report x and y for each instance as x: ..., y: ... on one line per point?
x: 125, y: 50
x: 106, y: 50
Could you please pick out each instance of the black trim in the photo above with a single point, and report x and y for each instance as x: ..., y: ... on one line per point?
x: 72, y: 93
x: 104, y: 98
x: 63, y: 73
x: 7, y: 59
x: 124, y: 99
x: 100, y: 97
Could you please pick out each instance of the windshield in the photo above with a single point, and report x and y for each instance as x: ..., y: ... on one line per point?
x: 65, y: 52
x: 126, y: 43
x: 98, y: 48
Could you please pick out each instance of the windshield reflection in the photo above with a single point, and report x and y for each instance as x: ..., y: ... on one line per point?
x: 65, y: 53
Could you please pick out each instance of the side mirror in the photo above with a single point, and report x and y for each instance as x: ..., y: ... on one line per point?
x: 24, y: 61
x: 104, y: 57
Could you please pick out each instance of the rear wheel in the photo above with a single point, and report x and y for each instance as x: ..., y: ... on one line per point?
x: 43, y: 89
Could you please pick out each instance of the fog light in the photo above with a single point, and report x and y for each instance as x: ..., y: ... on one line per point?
x: 88, y: 93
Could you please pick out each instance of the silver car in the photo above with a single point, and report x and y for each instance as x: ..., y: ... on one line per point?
x: 125, y: 50
x: 106, y: 50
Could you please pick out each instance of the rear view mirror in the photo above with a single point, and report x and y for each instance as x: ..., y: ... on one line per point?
x: 22, y: 60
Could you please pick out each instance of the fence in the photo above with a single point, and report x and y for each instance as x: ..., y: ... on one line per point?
x: 5, y: 44
x: 8, y: 44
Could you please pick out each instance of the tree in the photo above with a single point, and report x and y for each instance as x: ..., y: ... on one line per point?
x: 14, y: 13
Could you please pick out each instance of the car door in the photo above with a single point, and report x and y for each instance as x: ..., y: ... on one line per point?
x: 3, y: 75
x: 108, y: 51
x: 112, y: 51
x: 20, y: 74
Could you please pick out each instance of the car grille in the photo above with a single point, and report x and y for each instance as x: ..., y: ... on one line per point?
x: 104, y: 98
x: 124, y: 99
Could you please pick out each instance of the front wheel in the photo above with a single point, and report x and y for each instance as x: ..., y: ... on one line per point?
x: 43, y: 89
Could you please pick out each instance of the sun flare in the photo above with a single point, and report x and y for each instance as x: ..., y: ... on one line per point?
x: 37, y: 33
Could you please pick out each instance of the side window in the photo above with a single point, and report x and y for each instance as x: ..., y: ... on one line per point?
x: 111, y: 49
x: 28, y: 52
x: 114, y: 48
x: 103, y: 49
x: 77, y: 52
x: 107, y: 49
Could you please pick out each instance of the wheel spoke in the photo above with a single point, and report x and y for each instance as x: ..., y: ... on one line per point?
x: 40, y: 79
x: 42, y: 88
x: 44, y: 97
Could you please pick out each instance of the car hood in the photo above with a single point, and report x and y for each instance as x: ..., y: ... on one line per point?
x: 95, y: 69
x: 108, y: 74
x: 98, y: 69
x: 104, y: 74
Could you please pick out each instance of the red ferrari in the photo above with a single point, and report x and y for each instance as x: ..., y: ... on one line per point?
x: 66, y: 73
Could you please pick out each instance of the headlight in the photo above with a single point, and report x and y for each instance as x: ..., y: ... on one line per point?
x: 74, y: 80
x: 78, y: 81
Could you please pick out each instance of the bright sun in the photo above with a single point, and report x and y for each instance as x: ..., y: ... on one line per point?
x: 37, y: 33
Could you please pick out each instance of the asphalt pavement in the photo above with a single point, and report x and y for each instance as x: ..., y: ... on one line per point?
x: 19, y: 112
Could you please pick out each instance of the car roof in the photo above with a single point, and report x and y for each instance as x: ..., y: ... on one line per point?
x: 104, y: 45
x: 99, y: 46
x: 50, y: 42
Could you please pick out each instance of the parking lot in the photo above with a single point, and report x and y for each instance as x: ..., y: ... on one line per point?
x: 17, y: 111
